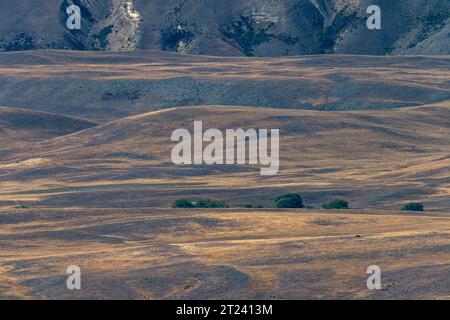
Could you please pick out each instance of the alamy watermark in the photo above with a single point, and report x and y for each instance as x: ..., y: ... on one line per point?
x: 74, y: 280
x: 229, y: 148
x: 74, y: 20
x: 374, y: 21
x: 74, y: 17
x: 374, y: 281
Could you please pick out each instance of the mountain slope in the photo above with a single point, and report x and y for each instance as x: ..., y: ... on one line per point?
x: 232, y: 27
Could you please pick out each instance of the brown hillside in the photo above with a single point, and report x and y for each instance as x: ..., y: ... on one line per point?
x: 107, y: 86
x: 373, y: 158
x: 19, y: 126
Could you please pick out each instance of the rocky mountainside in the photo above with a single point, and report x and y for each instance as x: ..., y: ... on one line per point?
x: 229, y: 27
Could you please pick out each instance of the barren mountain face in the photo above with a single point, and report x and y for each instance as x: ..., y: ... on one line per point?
x: 229, y: 27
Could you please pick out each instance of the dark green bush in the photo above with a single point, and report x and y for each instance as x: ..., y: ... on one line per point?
x: 248, y: 206
x: 182, y: 203
x: 208, y: 203
x: 336, y: 204
x: 203, y: 203
x: 291, y: 200
x: 413, y: 207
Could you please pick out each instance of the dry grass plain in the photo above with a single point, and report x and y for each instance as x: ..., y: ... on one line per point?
x: 223, y: 254
x: 74, y: 192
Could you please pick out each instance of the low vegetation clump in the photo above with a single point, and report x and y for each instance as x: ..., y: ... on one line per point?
x: 208, y: 203
x: 291, y: 200
x: 203, y: 203
x: 182, y: 203
x: 413, y: 207
x: 336, y: 204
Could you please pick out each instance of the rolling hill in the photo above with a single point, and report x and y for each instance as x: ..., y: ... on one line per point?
x: 103, y: 86
x: 373, y: 158
x: 19, y: 126
x: 372, y: 130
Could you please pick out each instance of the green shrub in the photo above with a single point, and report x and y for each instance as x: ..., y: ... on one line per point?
x: 413, y: 207
x: 248, y: 206
x: 208, y: 203
x: 182, y: 203
x: 291, y: 200
x: 336, y: 204
x: 203, y: 203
